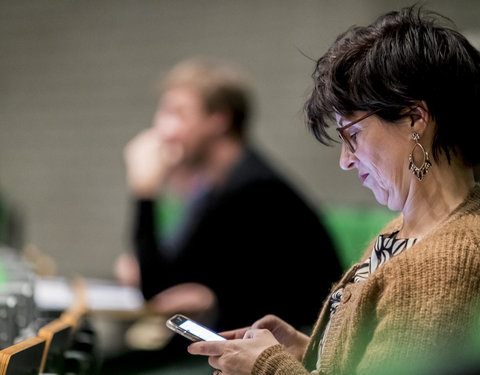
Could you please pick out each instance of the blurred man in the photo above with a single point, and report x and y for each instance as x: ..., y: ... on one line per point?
x: 243, y: 224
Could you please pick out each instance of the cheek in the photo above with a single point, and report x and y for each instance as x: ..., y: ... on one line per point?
x: 376, y: 165
x: 189, y: 129
x: 384, y: 173
x: 393, y: 178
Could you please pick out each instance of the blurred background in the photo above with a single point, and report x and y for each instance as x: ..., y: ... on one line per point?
x: 77, y: 83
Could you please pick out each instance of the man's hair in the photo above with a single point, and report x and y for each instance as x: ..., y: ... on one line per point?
x: 403, y: 58
x: 222, y: 87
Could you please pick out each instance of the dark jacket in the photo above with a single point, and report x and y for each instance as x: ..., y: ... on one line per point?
x: 254, y: 242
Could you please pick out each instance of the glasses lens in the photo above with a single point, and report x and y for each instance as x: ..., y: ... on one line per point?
x: 349, y: 142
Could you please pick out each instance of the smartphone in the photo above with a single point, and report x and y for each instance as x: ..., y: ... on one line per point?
x: 191, y: 329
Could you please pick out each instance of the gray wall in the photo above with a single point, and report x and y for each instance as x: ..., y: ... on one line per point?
x: 76, y: 83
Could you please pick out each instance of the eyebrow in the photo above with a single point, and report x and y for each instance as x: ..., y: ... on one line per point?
x: 344, y: 122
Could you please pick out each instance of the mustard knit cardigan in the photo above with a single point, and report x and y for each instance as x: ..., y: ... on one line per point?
x: 414, y: 305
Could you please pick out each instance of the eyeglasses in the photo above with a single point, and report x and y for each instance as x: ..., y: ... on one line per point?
x: 350, y: 141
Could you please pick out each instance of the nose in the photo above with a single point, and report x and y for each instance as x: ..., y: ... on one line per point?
x: 347, y: 158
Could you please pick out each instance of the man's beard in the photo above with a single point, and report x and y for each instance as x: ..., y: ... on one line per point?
x: 198, y: 157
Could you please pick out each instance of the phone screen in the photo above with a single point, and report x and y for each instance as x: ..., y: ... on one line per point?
x: 199, y: 331
x: 192, y: 330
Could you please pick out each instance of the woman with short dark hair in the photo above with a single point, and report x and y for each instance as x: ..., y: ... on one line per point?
x: 404, y: 92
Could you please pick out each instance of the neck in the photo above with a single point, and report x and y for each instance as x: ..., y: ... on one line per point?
x: 433, y: 199
x: 222, y: 157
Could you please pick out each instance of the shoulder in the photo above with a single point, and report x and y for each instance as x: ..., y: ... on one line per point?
x: 256, y: 178
x: 436, y: 281
x: 457, y: 238
x: 444, y: 263
x: 253, y: 168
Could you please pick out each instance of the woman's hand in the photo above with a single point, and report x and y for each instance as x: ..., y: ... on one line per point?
x: 294, y: 341
x: 238, y: 354
x: 235, y: 356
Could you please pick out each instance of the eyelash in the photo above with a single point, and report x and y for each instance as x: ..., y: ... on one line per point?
x: 355, y: 133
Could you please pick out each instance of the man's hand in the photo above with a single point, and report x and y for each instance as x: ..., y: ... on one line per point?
x: 149, y: 161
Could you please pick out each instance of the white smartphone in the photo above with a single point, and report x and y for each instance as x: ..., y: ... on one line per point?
x: 191, y: 329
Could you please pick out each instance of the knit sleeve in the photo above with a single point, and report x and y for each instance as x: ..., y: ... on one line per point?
x: 277, y: 361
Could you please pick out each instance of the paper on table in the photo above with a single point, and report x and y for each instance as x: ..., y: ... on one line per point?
x: 53, y: 294
x: 101, y: 295
x: 104, y: 295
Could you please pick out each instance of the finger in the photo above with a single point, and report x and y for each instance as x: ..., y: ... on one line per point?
x: 213, y: 362
x: 267, y: 322
x: 251, y: 333
x: 210, y: 348
x: 234, y: 334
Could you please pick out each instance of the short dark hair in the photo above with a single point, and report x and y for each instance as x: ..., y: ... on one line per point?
x: 401, y: 59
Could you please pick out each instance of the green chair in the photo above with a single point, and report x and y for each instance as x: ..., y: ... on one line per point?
x: 352, y: 229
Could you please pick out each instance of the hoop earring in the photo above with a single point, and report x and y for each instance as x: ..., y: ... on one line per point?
x: 421, y: 171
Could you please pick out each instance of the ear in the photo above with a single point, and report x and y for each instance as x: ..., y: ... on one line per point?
x: 421, y: 118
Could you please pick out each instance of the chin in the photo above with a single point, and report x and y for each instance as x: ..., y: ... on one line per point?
x: 382, y: 198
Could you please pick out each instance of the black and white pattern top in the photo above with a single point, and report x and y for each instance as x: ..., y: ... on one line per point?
x: 386, y: 247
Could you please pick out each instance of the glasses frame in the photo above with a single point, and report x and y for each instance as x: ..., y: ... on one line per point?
x: 345, y: 137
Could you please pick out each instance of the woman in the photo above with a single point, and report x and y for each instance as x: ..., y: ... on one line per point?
x: 404, y: 93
